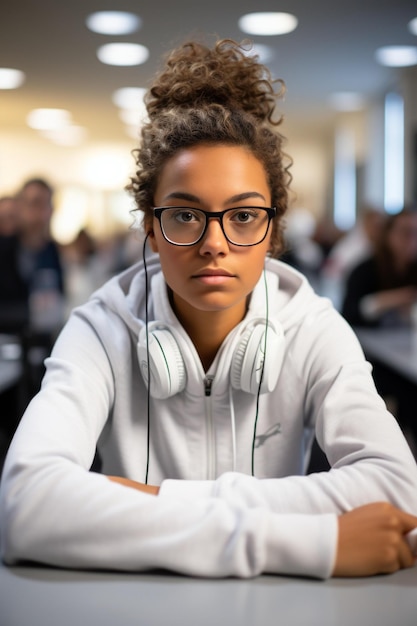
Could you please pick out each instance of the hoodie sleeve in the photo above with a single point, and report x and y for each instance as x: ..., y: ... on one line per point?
x: 81, y: 520
x: 53, y: 510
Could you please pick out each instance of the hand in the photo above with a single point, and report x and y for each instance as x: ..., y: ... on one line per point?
x: 400, y: 298
x: 372, y: 541
x: 133, y: 484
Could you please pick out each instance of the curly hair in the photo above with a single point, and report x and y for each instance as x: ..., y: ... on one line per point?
x: 218, y: 95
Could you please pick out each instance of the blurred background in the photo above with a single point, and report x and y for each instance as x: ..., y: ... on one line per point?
x: 72, y: 80
x: 335, y: 108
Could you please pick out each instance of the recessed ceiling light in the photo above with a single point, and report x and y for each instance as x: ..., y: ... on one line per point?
x: 412, y: 26
x: 132, y: 107
x: 106, y: 167
x: 397, y: 56
x: 113, y: 22
x: 346, y: 101
x: 268, y: 23
x: 123, y: 54
x: 132, y: 117
x: 10, y: 78
x: 70, y: 135
x: 48, y: 119
x: 129, y: 97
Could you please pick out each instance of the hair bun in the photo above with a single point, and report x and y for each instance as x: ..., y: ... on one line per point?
x: 195, y: 76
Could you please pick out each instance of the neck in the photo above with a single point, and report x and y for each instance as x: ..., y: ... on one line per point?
x: 208, y: 329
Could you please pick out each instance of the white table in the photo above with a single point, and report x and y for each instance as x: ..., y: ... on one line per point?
x: 396, y: 348
x: 37, y: 596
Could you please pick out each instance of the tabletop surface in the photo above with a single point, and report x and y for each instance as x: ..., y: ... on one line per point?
x: 42, y: 596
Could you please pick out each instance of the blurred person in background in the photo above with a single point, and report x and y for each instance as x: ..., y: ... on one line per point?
x: 31, y: 294
x: 381, y: 290
x: 8, y: 216
x: 356, y: 245
x: 301, y: 251
x: 29, y: 258
x: 87, y: 265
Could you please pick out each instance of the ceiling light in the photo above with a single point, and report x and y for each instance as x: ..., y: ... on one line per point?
x: 268, y: 23
x: 129, y: 97
x: 397, y: 56
x: 412, y: 26
x: 123, y: 54
x: 48, y: 119
x: 113, y: 22
x: 132, y: 111
x: 70, y: 135
x: 132, y: 117
x: 106, y: 167
x: 346, y: 101
x: 10, y: 78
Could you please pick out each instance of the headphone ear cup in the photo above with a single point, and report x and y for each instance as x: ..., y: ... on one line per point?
x: 251, y: 355
x: 166, y: 368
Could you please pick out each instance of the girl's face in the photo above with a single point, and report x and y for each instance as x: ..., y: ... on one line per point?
x: 211, y: 275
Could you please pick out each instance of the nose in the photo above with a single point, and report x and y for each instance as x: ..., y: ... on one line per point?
x: 214, y: 242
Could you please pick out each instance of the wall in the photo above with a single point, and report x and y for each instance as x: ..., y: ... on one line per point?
x: 90, y: 180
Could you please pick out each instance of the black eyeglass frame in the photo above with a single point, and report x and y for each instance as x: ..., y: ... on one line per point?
x: 271, y: 212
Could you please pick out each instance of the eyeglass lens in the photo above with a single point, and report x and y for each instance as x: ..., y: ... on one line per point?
x: 244, y: 226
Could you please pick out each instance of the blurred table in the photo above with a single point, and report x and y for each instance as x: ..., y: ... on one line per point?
x: 395, y: 348
x: 40, y: 596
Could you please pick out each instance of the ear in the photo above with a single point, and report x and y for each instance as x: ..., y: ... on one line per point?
x: 148, y: 226
x: 152, y: 241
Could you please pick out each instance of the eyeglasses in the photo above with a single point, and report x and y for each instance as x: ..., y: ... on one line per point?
x: 243, y: 226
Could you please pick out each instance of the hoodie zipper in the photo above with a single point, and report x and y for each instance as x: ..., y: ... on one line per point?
x: 210, y: 447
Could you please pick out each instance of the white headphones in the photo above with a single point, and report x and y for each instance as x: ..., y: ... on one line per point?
x: 250, y: 359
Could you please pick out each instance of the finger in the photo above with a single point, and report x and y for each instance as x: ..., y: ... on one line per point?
x: 408, y: 522
x: 405, y: 556
x: 411, y: 539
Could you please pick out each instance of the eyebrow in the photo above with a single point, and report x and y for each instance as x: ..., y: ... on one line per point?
x: 179, y: 195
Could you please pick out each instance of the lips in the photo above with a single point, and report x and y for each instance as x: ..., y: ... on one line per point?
x: 213, y: 272
x: 214, y: 277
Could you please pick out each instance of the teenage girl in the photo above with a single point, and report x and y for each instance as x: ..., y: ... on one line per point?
x: 202, y: 374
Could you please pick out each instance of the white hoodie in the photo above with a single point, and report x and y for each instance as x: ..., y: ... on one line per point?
x: 211, y: 518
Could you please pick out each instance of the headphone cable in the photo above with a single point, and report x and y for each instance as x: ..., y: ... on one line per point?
x: 148, y: 434
x: 262, y: 374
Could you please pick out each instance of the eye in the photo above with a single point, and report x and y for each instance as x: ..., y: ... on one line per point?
x: 186, y: 216
x: 244, y: 216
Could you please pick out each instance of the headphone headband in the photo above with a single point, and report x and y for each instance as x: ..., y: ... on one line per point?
x: 253, y: 368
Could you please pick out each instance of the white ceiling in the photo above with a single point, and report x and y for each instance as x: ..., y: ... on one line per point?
x: 331, y: 50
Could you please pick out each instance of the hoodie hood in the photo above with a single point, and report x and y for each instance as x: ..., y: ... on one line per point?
x: 125, y: 294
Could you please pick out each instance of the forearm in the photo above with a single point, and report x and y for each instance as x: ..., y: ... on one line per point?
x: 79, y: 519
x: 384, y: 472
x: 376, y: 304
